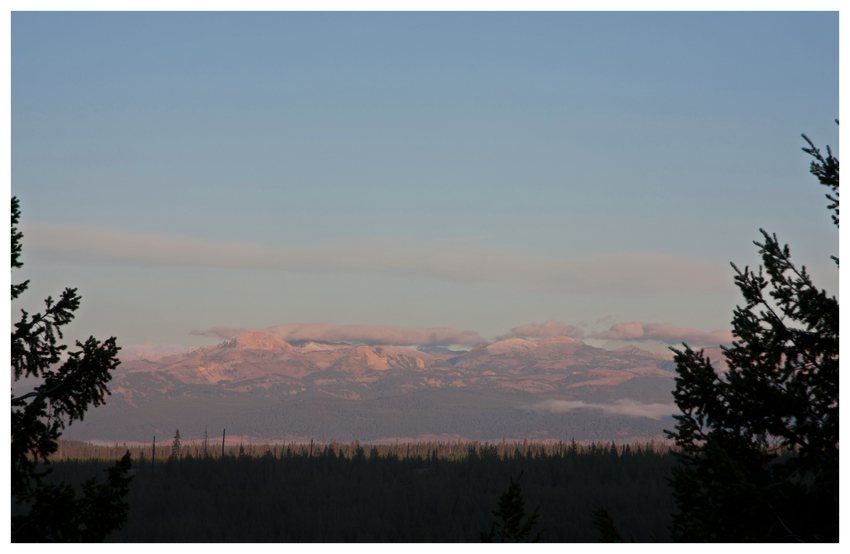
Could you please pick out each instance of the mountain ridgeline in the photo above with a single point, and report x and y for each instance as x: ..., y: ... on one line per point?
x: 256, y: 385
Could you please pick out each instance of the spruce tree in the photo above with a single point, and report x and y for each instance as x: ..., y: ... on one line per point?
x: 175, y: 445
x: 509, y: 525
x: 53, y: 511
x: 604, y: 524
x: 759, y: 441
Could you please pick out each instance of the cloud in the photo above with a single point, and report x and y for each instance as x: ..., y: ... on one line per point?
x: 368, y: 334
x: 453, y: 261
x: 549, y: 329
x: 151, y: 352
x: 621, y: 407
x: 664, y: 332
x: 634, y: 331
x: 223, y: 332
x: 443, y: 336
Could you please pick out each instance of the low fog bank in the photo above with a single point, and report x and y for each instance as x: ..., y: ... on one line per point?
x: 625, y: 406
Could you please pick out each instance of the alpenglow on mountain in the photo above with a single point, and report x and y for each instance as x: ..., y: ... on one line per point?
x: 256, y: 385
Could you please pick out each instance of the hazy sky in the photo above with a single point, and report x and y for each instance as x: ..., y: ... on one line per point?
x: 470, y: 171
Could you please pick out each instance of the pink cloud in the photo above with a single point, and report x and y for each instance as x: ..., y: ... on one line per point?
x: 664, y: 332
x: 626, y: 407
x: 551, y: 328
x: 623, y: 274
x: 370, y: 334
x: 223, y: 332
x: 375, y: 334
x: 151, y: 352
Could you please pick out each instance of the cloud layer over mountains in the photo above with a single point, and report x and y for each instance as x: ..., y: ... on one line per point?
x: 637, y: 330
x: 625, y: 274
x: 633, y: 331
x: 542, y: 331
x: 369, y: 334
x: 444, y: 336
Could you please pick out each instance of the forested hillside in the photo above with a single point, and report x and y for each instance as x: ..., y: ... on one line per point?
x: 430, y: 412
x: 377, y: 494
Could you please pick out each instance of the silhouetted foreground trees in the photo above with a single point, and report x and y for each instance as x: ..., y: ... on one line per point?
x: 51, y: 511
x: 511, y: 524
x: 604, y: 523
x: 365, y: 493
x: 780, y: 393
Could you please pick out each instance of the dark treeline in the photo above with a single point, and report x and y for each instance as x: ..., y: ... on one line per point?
x: 78, y: 450
x: 440, y: 492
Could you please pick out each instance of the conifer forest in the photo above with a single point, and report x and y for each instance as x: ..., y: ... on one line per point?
x: 417, y: 492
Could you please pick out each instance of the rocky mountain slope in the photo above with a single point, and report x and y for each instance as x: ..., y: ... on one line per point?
x: 268, y: 388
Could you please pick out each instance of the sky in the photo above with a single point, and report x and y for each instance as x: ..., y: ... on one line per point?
x: 416, y: 178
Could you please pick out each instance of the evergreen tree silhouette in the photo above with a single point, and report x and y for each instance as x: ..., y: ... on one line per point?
x: 759, y: 458
x: 509, y: 525
x: 68, y: 388
x: 175, y: 445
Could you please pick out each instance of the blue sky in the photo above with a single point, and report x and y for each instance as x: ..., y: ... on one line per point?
x: 475, y: 171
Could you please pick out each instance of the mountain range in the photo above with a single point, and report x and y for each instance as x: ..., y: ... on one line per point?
x: 256, y: 385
